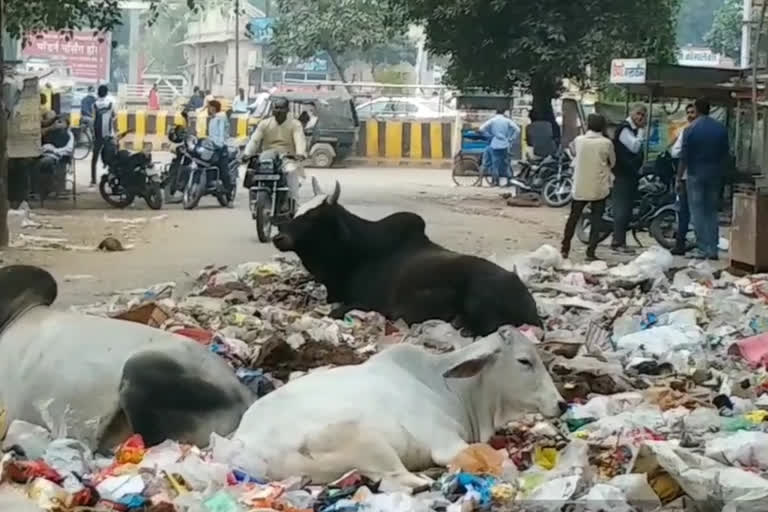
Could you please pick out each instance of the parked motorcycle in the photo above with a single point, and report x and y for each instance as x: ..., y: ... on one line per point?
x: 202, y: 176
x: 269, y: 195
x: 175, y: 181
x: 130, y: 174
x: 654, y: 210
x: 550, y: 177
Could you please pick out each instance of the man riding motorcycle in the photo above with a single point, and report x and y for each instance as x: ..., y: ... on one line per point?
x: 284, y: 135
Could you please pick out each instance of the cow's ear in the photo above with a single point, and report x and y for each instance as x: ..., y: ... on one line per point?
x: 316, y: 190
x: 334, y: 198
x: 472, y: 367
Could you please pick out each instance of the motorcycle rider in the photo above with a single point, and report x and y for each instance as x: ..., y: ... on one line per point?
x: 218, y: 132
x: 284, y: 135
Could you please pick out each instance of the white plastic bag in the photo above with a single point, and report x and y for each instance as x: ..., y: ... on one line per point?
x: 749, y: 449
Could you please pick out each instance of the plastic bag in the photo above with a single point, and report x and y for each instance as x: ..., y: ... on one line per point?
x: 478, y: 459
x: 131, y: 451
x: 69, y: 456
x: 33, y: 439
x: 749, y: 449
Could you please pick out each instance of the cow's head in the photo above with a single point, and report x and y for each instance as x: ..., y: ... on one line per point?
x: 318, y: 221
x: 504, y: 375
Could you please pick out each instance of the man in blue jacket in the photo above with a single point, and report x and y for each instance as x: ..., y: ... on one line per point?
x: 705, y: 159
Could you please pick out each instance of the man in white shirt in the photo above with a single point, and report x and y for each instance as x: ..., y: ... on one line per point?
x: 260, y: 105
x: 677, y: 147
x: 629, y: 143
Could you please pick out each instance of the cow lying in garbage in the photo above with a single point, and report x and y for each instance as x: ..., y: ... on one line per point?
x: 104, y: 379
x: 402, y: 411
x: 392, y: 267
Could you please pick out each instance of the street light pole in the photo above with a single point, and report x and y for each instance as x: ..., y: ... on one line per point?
x: 237, y: 48
x: 746, y: 34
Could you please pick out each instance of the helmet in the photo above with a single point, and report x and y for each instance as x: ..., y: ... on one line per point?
x: 176, y: 134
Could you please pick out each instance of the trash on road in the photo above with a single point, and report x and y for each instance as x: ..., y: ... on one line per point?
x: 664, y: 371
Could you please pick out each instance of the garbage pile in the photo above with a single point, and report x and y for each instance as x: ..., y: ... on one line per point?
x: 664, y: 370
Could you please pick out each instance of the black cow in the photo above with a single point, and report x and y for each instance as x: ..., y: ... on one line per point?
x: 392, y: 267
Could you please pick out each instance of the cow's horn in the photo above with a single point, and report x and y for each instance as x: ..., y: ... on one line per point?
x: 316, y: 187
x: 334, y: 198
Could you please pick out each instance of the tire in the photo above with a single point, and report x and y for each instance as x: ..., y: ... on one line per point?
x: 171, y: 185
x: 322, y: 158
x: 194, y: 191
x: 263, y: 214
x: 467, y: 172
x: 105, y: 189
x: 558, y: 191
x: 83, y: 145
x: 582, y: 230
x: 155, y: 196
x: 663, y: 229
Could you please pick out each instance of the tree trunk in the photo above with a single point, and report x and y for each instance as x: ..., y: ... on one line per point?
x: 339, y: 68
x: 544, y: 90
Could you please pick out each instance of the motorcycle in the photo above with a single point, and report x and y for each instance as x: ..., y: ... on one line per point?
x: 202, y: 176
x: 550, y: 177
x: 269, y: 195
x: 130, y: 175
x: 654, y: 209
x: 175, y: 181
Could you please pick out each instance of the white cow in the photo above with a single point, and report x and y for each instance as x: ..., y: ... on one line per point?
x: 403, y: 410
x: 104, y: 379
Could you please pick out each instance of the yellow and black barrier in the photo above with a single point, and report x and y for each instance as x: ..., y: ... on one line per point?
x: 396, y: 142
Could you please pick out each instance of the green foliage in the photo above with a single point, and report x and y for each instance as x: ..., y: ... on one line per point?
x: 725, y: 35
x: 341, y: 28
x: 695, y: 20
x: 500, y: 44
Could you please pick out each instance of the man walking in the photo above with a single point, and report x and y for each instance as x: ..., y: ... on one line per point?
x: 629, y: 141
x: 704, y: 157
x: 683, y: 211
x: 595, y: 158
x: 502, y: 131
x: 103, y: 126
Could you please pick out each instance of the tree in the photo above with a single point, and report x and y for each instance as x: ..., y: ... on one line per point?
x: 725, y: 34
x: 340, y: 28
x: 695, y: 20
x: 21, y: 19
x: 498, y: 45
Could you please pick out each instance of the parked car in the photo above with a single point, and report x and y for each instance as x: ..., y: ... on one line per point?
x: 408, y: 107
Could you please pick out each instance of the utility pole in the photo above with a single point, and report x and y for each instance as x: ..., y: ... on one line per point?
x: 237, y: 48
x: 746, y: 34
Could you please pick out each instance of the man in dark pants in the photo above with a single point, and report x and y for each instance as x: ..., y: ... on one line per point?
x: 683, y: 211
x: 103, y: 126
x: 704, y: 158
x: 629, y: 142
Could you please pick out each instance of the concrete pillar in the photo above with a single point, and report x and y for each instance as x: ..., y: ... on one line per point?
x: 134, y: 23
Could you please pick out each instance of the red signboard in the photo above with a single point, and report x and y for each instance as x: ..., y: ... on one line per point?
x: 84, y: 55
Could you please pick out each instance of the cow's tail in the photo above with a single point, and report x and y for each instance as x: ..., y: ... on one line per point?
x: 23, y: 287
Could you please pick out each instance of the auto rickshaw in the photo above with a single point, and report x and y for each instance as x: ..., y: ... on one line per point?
x: 330, y: 124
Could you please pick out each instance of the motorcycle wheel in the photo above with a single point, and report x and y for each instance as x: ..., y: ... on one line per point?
x: 663, y: 229
x: 558, y: 191
x: 583, y: 227
x: 193, y: 192
x: 263, y: 214
x: 124, y: 198
x: 155, y: 196
x: 172, y: 190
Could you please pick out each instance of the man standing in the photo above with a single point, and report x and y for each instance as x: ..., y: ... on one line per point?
x: 103, y: 126
x: 218, y: 133
x: 86, y: 107
x: 629, y: 142
x: 683, y: 211
x: 502, y: 131
x: 704, y: 157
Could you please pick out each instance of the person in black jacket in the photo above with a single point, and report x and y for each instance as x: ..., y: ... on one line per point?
x: 629, y: 143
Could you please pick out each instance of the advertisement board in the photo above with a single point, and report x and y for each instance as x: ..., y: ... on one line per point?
x: 83, y: 55
x: 628, y: 71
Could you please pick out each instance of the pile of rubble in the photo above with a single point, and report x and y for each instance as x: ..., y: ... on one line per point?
x: 664, y: 370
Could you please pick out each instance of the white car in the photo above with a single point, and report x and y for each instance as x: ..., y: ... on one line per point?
x: 405, y: 107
